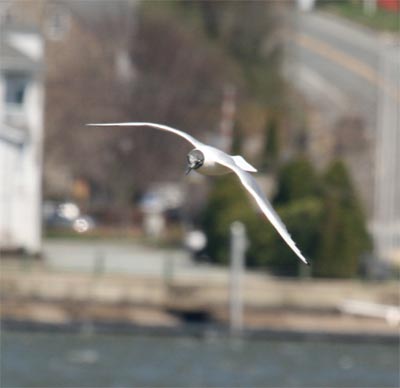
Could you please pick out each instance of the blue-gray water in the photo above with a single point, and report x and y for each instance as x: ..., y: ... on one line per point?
x: 70, y: 360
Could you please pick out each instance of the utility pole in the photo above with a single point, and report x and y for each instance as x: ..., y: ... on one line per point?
x: 237, y: 261
x: 387, y: 158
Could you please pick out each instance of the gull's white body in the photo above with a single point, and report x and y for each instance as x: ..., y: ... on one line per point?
x: 217, y: 162
x: 211, y: 165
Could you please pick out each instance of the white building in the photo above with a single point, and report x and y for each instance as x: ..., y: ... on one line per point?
x: 21, y: 138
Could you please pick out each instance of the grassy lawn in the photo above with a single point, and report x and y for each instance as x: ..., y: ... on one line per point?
x: 381, y: 20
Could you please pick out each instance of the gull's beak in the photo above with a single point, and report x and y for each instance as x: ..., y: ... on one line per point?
x: 188, y: 169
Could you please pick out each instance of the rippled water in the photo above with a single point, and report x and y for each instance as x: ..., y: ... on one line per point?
x: 70, y: 360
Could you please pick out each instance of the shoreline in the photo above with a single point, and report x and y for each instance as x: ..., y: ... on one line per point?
x: 200, y: 331
x: 43, y: 300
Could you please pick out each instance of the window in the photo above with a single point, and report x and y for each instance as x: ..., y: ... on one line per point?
x: 15, y: 89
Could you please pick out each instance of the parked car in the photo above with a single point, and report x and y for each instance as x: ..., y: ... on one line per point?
x: 67, y: 216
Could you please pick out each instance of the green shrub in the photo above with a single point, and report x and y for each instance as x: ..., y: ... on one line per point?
x: 228, y: 203
x: 322, y: 213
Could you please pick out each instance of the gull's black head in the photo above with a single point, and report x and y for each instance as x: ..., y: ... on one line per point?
x: 195, y: 160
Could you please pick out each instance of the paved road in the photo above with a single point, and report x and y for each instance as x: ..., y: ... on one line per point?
x: 111, y: 256
x: 345, y: 59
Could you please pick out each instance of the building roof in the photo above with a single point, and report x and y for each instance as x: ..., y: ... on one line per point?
x: 12, y: 57
x: 14, y: 60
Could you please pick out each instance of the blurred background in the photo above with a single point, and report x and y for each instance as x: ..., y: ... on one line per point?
x: 119, y: 270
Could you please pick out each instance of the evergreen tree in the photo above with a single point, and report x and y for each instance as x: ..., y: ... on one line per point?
x: 343, y: 235
x: 302, y: 219
x: 298, y: 198
x: 296, y: 180
x: 229, y: 202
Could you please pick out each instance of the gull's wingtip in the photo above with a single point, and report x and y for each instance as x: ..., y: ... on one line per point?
x: 305, y: 261
x: 302, y: 258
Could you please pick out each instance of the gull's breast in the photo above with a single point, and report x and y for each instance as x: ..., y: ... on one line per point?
x: 212, y: 168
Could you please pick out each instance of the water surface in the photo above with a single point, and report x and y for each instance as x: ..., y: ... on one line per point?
x: 72, y: 360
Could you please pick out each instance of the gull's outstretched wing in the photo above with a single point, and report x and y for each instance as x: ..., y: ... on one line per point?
x: 186, y: 136
x: 252, y: 187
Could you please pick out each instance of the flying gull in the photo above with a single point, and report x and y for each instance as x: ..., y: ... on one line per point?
x: 209, y: 160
